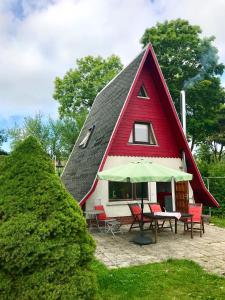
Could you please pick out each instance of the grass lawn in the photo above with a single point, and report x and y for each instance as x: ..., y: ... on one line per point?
x: 220, y: 222
x: 173, y: 279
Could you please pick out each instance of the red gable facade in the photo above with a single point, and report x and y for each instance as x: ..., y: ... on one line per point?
x: 149, y: 109
x: 159, y: 110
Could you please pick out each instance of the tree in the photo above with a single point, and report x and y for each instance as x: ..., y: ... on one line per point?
x: 70, y: 128
x: 56, y: 136
x: 218, y: 136
x: 212, y: 149
x: 189, y: 62
x: 77, y: 90
x: 45, y: 248
x: 203, y: 102
x: 216, y: 185
x: 184, y: 56
x: 3, y: 138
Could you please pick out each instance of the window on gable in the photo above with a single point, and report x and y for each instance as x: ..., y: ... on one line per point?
x: 142, y: 133
x: 142, y: 93
x: 87, y: 137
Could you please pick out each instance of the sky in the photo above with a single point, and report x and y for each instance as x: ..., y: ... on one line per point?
x: 41, y: 39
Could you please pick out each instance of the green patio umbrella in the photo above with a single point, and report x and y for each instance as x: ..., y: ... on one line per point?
x: 143, y: 171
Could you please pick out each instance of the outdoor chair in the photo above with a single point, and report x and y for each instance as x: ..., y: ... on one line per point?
x: 155, y: 207
x: 136, y: 214
x: 197, y: 219
x: 111, y: 225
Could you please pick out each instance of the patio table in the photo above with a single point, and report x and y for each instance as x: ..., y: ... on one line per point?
x: 91, y: 215
x: 168, y: 216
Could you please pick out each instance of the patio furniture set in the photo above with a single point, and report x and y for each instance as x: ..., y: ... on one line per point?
x: 140, y: 172
x: 156, y: 218
x: 98, y: 217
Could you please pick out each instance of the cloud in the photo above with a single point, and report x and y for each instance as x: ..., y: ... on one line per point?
x: 40, y: 40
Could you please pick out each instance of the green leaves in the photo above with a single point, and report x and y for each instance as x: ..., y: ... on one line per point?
x: 76, y: 91
x: 203, y: 100
x: 3, y: 138
x: 189, y: 61
x: 57, y: 137
x: 45, y: 249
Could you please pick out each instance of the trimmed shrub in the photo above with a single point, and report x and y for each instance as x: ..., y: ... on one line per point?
x: 45, y: 248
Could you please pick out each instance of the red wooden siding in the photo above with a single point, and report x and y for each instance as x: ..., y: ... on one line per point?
x: 160, y: 111
x: 147, y: 110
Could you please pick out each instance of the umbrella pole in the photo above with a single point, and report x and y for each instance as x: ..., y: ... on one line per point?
x: 141, y: 238
x: 142, y: 206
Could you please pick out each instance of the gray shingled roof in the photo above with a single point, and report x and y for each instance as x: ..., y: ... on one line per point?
x: 82, y: 166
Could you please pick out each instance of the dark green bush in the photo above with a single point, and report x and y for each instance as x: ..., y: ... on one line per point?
x: 45, y: 249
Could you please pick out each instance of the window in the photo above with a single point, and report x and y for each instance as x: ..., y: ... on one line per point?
x: 127, y: 191
x: 137, y: 192
x: 142, y: 92
x: 86, y: 139
x: 120, y: 190
x: 142, y: 133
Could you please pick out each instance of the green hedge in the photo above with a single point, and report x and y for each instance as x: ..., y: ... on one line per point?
x: 45, y: 249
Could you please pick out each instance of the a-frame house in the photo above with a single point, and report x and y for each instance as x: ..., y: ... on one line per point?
x: 133, y: 117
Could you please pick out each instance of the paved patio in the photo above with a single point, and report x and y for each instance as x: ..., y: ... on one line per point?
x: 208, y: 251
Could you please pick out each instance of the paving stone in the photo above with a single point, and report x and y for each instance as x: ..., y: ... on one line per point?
x: 208, y: 251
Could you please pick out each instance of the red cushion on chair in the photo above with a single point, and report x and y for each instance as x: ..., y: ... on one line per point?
x: 102, y: 216
x: 155, y: 208
x: 136, y: 210
x: 196, y: 211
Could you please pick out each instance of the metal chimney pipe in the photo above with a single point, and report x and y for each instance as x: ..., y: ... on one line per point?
x: 183, y: 120
x: 183, y: 111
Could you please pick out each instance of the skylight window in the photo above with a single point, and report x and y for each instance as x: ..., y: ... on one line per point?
x: 142, y: 93
x: 87, y: 137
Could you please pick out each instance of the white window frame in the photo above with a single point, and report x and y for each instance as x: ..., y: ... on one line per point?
x: 150, y: 133
x: 83, y: 144
x: 143, y: 97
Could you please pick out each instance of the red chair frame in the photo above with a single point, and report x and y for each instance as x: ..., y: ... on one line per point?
x: 197, y: 219
x: 155, y: 207
x: 101, y: 218
x: 136, y: 214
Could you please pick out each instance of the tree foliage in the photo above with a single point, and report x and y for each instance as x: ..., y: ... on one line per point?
x: 77, y: 90
x: 57, y: 137
x: 212, y: 168
x: 214, y: 178
x: 3, y: 137
x: 189, y: 61
x: 204, y: 100
x: 45, y: 249
x: 216, y: 185
x: 184, y: 56
x: 217, y: 138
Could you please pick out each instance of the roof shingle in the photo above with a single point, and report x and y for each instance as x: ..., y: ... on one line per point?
x: 82, y: 166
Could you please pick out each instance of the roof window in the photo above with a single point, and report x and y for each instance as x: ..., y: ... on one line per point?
x: 87, y: 137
